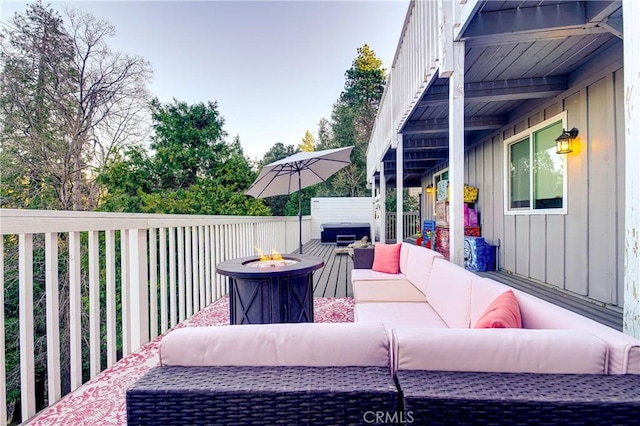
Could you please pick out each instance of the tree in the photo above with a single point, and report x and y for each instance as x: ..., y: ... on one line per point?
x: 324, y: 134
x: 68, y: 102
x: 352, y: 122
x: 36, y: 81
x: 277, y: 152
x: 192, y: 171
x: 308, y: 143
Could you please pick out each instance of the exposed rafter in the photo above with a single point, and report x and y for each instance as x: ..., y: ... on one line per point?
x: 544, y: 22
x: 500, y: 90
x: 430, y: 144
x: 440, y: 125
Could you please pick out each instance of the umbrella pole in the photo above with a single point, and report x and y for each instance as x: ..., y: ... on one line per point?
x: 300, y: 210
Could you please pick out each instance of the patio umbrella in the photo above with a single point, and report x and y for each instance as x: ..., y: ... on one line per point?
x: 298, y: 171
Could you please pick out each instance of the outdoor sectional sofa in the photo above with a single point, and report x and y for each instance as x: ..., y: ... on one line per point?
x: 412, y: 356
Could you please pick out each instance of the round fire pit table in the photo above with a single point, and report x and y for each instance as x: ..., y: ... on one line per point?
x: 271, y: 291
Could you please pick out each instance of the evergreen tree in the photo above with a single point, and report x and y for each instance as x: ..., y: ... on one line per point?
x: 352, y: 122
x: 308, y: 143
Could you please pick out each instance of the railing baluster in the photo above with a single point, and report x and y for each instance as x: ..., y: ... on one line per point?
x: 124, y: 292
x: 217, y: 259
x: 189, y: 270
x: 173, y: 308
x: 181, y: 284
x: 94, y: 304
x: 201, y: 276
x: 153, y: 282
x: 195, y: 270
x: 75, y: 310
x: 208, y: 230
x: 52, y: 315
x: 27, y: 368
x: 164, y: 317
x: 110, y: 270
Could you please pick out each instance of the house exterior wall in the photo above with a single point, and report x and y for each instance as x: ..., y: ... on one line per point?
x: 581, y: 251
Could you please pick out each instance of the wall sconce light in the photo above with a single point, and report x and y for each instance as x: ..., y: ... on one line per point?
x: 563, y: 143
x: 430, y: 189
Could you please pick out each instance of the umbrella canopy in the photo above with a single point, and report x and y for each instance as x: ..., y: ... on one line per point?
x: 299, y: 171
x: 281, y: 177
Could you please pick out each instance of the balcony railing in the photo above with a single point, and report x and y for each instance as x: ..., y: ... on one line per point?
x: 410, y: 224
x: 100, y: 285
x: 418, y: 60
x: 414, y: 65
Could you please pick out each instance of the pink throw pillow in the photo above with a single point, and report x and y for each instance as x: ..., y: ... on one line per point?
x: 386, y: 258
x: 503, y: 312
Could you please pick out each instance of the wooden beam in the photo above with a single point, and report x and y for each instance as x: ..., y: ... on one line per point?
x: 500, y: 90
x: 417, y: 155
x: 440, y: 125
x: 545, y: 22
x: 598, y: 11
x: 425, y: 144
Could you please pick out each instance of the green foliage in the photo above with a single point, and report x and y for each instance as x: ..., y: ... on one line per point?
x: 352, y: 122
x: 308, y: 143
x: 410, y: 203
x: 193, y: 171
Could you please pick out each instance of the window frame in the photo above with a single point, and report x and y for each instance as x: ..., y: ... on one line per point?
x: 529, y: 133
x: 437, y: 175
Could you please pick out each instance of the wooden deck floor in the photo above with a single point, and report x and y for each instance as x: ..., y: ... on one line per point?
x: 334, y: 279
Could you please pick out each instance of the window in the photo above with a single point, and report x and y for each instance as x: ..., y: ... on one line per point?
x: 536, y: 175
x: 437, y: 177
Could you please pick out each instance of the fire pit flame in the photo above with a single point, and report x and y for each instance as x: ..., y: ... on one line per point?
x: 273, y: 256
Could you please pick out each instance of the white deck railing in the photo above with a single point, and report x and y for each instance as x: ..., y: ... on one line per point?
x: 163, y: 267
x: 410, y: 224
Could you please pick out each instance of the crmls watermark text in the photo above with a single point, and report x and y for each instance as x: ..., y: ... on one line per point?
x: 385, y: 417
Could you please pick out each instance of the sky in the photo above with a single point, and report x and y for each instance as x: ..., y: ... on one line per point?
x: 274, y: 67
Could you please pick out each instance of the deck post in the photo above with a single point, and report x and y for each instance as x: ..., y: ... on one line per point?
x: 383, y: 205
x: 138, y: 284
x: 631, y: 315
x: 456, y: 156
x: 399, y: 189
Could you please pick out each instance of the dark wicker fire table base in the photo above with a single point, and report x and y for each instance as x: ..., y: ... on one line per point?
x: 261, y: 396
x: 462, y: 398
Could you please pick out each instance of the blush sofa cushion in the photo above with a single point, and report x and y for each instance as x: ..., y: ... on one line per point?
x: 449, y: 292
x: 398, y: 313
x: 371, y: 275
x: 404, y: 256
x: 386, y: 258
x: 386, y: 291
x: 499, y: 350
x: 419, y: 266
x: 503, y: 312
x: 624, y: 350
x: 304, y: 344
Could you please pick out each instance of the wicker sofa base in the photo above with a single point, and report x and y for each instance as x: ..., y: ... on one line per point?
x: 172, y: 395
x: 441, y: 397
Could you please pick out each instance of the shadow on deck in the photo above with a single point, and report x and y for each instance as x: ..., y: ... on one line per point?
x: 334, y: 279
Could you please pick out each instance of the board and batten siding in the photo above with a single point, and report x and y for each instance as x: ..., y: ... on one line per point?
x: 339, y: 209
x: 581, y: 251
